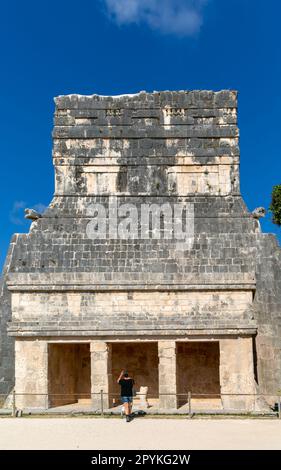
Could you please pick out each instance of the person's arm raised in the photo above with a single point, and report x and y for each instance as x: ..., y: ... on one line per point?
x: 120, y: 376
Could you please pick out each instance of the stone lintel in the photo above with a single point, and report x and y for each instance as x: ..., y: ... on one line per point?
x: 129, y: 287
x: 137, y: 281
x: 25, y: 331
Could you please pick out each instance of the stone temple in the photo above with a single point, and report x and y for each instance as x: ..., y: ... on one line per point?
x: 75, y: 308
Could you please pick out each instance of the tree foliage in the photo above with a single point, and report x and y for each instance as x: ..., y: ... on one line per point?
x: 275, y: 206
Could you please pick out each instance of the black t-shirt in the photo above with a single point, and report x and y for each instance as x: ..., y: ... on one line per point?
x: 126, y: 387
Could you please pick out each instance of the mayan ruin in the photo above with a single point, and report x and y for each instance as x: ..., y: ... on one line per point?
x: 196, y: 313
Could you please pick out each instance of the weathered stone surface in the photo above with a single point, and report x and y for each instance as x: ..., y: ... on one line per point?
x: 144, y: 310
x: 237, y: 373
x: 101, y: 374
x: 31, y: 374
x: 7, y: 355
x: 165, y: 147
x: 167, y: 374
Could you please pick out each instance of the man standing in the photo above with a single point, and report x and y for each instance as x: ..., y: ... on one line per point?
x: 126, y: 383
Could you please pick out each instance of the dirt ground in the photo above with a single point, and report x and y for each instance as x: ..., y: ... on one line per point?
x: 148, y: 433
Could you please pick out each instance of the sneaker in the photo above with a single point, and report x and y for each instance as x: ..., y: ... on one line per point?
x: 128, y: 418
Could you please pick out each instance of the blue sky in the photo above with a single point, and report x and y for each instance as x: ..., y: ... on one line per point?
x: 123, y: 46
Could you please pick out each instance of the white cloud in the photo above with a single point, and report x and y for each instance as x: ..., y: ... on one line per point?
x: 17, y: 213
x: 39, y: 207
x: 179, y: 17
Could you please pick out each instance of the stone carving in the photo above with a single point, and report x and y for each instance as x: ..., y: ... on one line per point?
x: 32, y: 214
x: 259, y: 212
x: 175, y: 111
x: 113, y: 112
x: 142, y: 395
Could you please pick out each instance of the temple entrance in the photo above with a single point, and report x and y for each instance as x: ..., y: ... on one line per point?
x: 198, y: 372
x: 69, y: 373
x: 141, y: 361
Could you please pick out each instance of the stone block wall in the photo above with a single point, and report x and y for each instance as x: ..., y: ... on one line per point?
x: 128, y: 313
x: 165, y: 147
x: 7, y: 355
x: 198, y: 369
x: 31, y: 374
x: 267, y: 307
x: 153, y: 143
x: 237, y: 373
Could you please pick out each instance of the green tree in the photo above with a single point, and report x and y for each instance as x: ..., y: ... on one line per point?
x: 275, y: 206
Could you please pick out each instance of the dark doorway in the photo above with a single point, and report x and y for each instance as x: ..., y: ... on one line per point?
x: 198, y: 370
x: 141, y: 360
x: 69, y: 373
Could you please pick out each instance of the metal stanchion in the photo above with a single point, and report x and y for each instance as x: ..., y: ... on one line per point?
x: 14, y: 404
x: 101, y: 399
x: 189, y: 404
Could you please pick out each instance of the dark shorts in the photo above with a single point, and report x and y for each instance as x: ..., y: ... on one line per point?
x: 126, y: 399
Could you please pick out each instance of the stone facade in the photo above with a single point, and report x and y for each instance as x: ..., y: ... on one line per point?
x: 61, y: 286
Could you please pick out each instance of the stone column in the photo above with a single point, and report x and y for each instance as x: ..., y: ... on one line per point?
x: 31, y: 373
x: 237, y: 373
x: 167, y: 374
x: 101, y: 373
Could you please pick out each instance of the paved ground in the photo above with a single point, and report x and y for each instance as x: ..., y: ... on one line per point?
x: 97, y: 433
